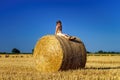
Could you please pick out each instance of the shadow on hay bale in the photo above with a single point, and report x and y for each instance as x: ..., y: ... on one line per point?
x: 53, y: 53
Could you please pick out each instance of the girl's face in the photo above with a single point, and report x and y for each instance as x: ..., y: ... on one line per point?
x: 59, y: 24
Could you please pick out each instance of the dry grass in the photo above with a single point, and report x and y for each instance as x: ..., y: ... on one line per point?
x: 97, y: 68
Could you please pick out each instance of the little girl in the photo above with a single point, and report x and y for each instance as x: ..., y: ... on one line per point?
x: 59, y: 31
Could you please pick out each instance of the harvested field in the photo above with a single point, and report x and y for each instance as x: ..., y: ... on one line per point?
x: 97, y: 67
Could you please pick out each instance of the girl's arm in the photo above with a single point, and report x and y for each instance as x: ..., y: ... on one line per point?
x: 56, y: 30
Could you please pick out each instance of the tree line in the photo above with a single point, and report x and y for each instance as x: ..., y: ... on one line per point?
x: 104, y: 52
x: 17, y: 51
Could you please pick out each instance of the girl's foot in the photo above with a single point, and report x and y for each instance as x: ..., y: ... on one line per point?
x: 72, y: 38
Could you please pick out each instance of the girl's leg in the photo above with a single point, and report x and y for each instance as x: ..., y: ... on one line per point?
x: 66, y: 36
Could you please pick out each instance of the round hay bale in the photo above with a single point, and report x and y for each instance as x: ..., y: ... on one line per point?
x: 53, y: 53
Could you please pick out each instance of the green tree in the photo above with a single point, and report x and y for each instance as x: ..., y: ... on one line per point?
x: 88, y: 52
x: 32, y: 50
x: 15, y: 50
x: 101, y: 51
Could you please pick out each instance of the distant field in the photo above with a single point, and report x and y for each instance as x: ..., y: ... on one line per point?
x: 98, y: 67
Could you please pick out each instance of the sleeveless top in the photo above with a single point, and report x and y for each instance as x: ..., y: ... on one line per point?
x: 60, y: 29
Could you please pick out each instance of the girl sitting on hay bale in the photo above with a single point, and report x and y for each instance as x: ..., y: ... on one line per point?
x: 59, y: 31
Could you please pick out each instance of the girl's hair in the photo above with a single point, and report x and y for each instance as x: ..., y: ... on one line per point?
x: 58, y: 22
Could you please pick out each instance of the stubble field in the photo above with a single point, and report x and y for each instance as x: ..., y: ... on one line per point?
x: 22, y: 67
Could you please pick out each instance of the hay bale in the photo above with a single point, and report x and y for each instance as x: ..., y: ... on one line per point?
x: 53, y: 53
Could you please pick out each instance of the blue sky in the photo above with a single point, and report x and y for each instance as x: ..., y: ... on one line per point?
x: 95, y: 22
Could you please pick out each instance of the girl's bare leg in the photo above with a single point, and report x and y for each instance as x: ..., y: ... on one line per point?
x: 66, y: 36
